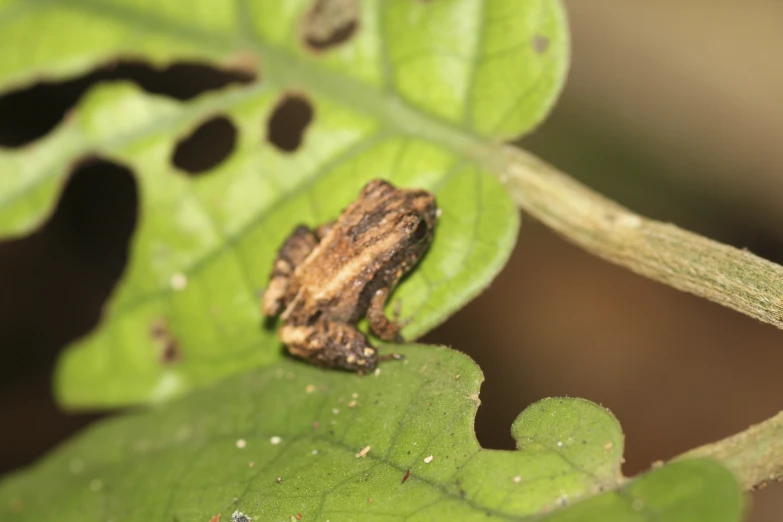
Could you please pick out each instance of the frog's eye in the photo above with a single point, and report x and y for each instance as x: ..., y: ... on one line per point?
x: 420, y: 232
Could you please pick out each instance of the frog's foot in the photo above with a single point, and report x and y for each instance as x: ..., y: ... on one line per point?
x: 385, y: 328
x: 331, y: 345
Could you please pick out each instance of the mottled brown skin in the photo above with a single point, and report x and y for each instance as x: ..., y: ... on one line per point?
x: 324, y: 281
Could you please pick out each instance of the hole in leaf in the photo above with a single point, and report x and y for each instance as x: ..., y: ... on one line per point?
x: 206, y: 147
x: 540, y: 44
x: 330, y: 23
x: 55, y: 282
x: 288, y: 122
x: 30, y: 113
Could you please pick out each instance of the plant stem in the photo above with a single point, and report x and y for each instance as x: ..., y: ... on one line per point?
x: 754, y: 455
x: 661, y: 251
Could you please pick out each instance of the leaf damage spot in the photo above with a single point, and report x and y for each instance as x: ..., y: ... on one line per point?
x: 329, y: 23
x: 169, y: 350
x: 288, y: 122
x: 405, y: 477
x: 206, y: 147
x: 16, y: 505
x: 540, y: 44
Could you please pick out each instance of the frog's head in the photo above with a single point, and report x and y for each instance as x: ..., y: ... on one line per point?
x: 409, y: 215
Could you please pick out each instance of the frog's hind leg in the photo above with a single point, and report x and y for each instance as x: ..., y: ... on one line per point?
x: 331, y: 345
x: 385, y: 328
x: 294, y: 251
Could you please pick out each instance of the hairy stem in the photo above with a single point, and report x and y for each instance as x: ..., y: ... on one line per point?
x: 754, y: 455
x: 661, y: 251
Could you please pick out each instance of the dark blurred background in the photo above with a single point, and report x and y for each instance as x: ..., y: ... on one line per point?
x: 673, y: 108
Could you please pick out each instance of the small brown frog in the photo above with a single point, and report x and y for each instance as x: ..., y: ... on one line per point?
x: 325, y: 280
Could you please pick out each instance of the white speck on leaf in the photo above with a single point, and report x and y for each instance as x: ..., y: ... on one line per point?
x: 365, y: 451
x: 275, y: 440
x: 178, y: 281
x: 241, y: 443
x: 238, y: 516
x: 428, y: 459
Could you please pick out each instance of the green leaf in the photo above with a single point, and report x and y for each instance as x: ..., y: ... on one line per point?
x: 223, y: 448
x: 417, y: 95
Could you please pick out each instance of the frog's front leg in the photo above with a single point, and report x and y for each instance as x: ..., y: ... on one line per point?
x: 323, y: 230
x: 331, y: 345
x: 382, y: 326
x: 294, y: 251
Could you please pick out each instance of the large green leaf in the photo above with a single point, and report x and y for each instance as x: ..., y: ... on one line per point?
x: 291, y: 440
x: 416, y: 95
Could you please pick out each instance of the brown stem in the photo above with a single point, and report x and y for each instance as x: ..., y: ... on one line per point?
x: 661, y: 251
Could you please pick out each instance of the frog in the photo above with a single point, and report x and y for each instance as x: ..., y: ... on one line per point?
x: 325, y: 279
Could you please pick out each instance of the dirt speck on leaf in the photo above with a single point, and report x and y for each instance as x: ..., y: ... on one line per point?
x: 540, y: 43
x: 169, y: 351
